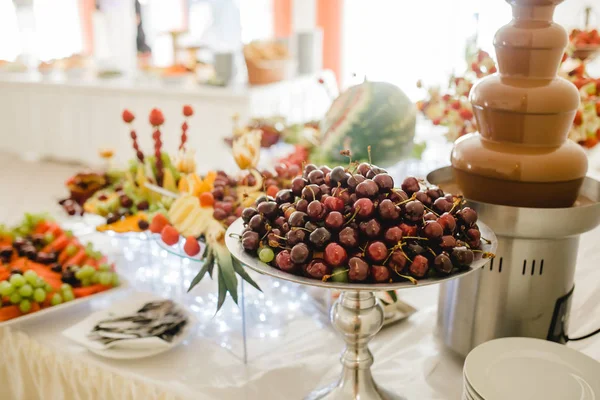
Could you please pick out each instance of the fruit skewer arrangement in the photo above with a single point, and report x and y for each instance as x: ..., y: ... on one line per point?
x: 352, y: 225
x: 42, y: 265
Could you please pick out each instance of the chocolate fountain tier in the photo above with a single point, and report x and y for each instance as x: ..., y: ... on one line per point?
x: 508, y: 174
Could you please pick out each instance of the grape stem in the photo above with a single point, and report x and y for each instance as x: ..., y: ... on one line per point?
x: 430, y: 210
x: 353, y: 215
x: 486, y: 240
x: 235, y: 235
x: 413, y: 197
x: 415, y: 237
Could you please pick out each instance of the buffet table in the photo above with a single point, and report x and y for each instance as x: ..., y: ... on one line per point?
x: 44, y: 364
x: 39, y: 120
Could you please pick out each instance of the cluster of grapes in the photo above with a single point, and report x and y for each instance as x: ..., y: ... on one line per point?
x: 355, y: 226
x: 224, y: 195
x: 87, y: 275
x: 29, y: 289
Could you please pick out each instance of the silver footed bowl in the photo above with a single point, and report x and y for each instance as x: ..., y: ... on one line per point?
x: 357, y: 315
x: 235, y: 247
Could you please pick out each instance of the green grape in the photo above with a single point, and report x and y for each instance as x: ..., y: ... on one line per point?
x: 71, y: 250
x: 25, y: 306
x: 17, y: 280
x: 0, y: 301
x: 96, y: 255
x: 39, y: 283
x: 69, y: 234
x: 65, y: 287
x: 31, y: 277
x: 95, y: 278
x: 15, y: 298
x: 105, y: 278
x: 88, y: 271
x: 80, y: 274
x: 86, y: 282
x: 49, y: 238
x: 266, y: 254
x: 6, y: 289
x: 339, y: 274
x: 47, y: 287
x: 68, y: 296
x: 26, y: 290
x: 104, y: 267
x: 115, y: 279
x: 56, y: 299
x: 39, y: 295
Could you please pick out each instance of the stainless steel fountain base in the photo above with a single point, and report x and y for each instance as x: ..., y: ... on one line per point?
x: 357, y: 316
x: 527, y: 289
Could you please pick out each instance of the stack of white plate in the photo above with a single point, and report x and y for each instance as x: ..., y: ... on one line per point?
x: 529, y: 369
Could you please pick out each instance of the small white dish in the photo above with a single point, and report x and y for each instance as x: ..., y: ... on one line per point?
x: 525, y: 368
x: 130, y: 348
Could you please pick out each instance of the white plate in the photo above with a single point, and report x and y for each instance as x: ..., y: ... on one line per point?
x: 525, y: 368
x: 126, y: 349
x: 64, y: 306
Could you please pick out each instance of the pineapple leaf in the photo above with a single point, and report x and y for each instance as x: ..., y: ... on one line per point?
x: 209, y: 263
x: 226, y: 269
x: 393, y: 295
x: 222, y: 291
x: 239, y: 269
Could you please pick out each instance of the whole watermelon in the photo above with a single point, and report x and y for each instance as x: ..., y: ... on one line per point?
x: 376, y: 114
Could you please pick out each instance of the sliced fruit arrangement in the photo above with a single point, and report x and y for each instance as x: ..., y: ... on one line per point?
x: 352, y: 225
x: 125, y: 197
x: 452, y: 108
x: 42, y: 265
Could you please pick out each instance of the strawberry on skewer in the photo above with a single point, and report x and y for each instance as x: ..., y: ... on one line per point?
x: 156, y: 119
x: 187, y: 112
x: 128, y: 117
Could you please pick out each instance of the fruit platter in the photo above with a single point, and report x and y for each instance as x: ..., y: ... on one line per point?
x: 584, y: 44
x: 43, y: 266
x: 351, y: 230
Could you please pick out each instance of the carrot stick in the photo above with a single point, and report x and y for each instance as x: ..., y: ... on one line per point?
x: 78, y: 258
x: 89, y: 290
x: 9, y: 312
x: 57, y: 244
x: 42, y: 227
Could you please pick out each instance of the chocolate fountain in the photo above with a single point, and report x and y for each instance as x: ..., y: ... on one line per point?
x: 527, y: 181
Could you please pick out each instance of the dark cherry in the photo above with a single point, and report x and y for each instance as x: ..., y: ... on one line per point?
x: 377, y: 251
x: 284, y: 196
x: 397, y: 196
x: 335, y: 255
x: 419, y: 267
x: 300, y: 253
x: 443, y: 264
x: 384, y: 181
x: 250, y: 241
x: 310, y: 226
x: 143, y: 205
x: 380, y: 273
x: 284, y: 261
x: 317, y: 269
x: 397, y: 261
x: 311, y: 192
x: 325, y: 189
x: 256, y: 223
x: 298, y: 184
x: 432, y: 230
x: 248, y: 213
x: 354, y: 180
x: 268, y: 209
x: 363, y: 208
x: 367, y: 188
x: 371, y: 228
x: 414, y: 211
x: 467, y: 216
x: 363, y: 168
x: 348, y: 237
x: 316, y: 177
x: 295, y: 236
x: 302, y: 205
x: 408, y: 230
x: 430, y: 217
x: 423, y: 198
x: 410, y: 185
x: 143, y: 224
x: 308, y: 168
x: 338, y: 175
x: 448, y: 222
x: 392, y: 235
x: 315, y: 210
x: 462, y: 257
x: 388, y: 211
x: 441, y: 205
x: 334, y: 220
x: 448, y: 242
x: 358, y: 270
x: 297, y: 219
x: 474, y: 238
x: 334, y: 203
x: 320, y: 237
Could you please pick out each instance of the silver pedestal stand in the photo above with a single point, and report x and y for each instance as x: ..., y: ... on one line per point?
x: 357, y: 315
